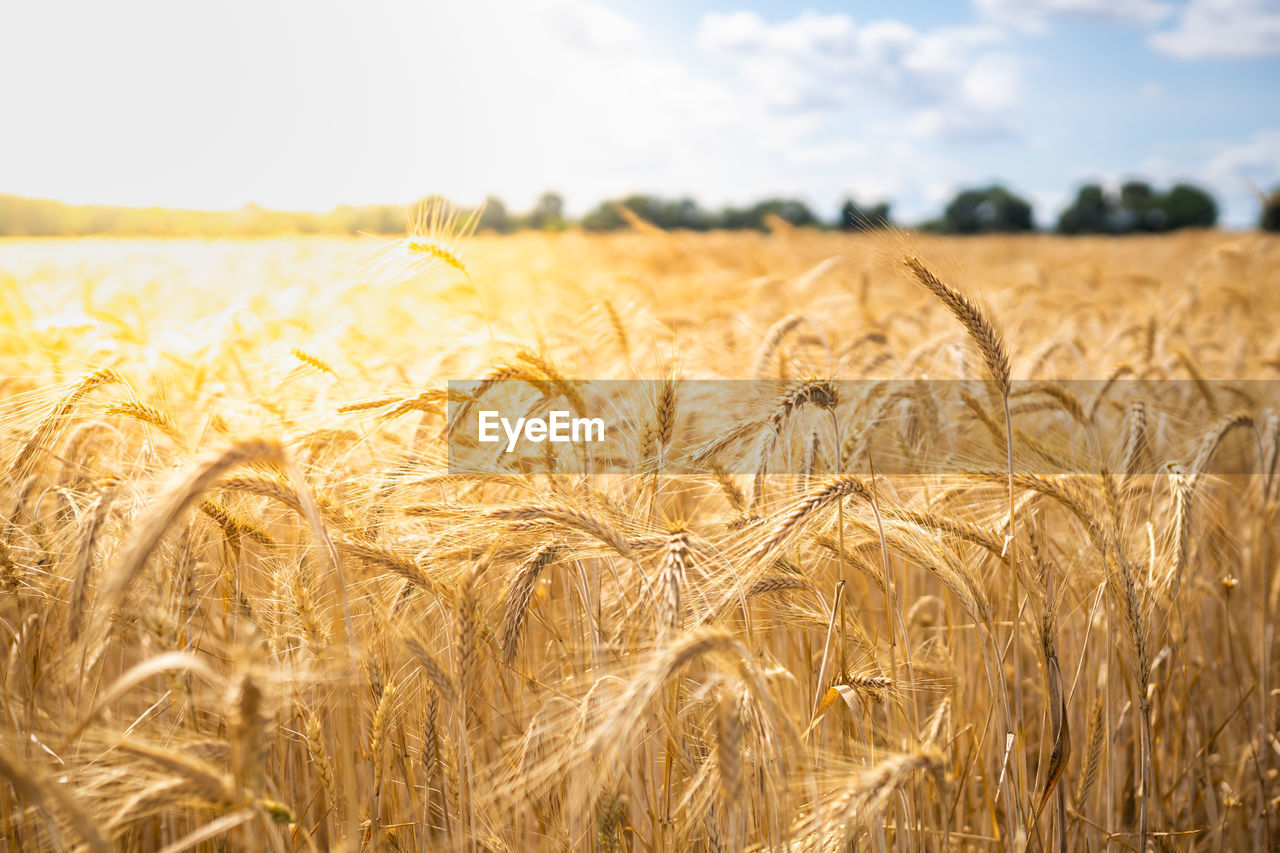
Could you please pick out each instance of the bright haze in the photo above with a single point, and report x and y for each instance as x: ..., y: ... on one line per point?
x: 310, y: 104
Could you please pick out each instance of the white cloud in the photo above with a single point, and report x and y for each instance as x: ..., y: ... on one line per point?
x: 153, y: 102
x: 1223, y: 29
x: 1035, y: 15
x: 944, y: 82
x: 1252, y: 163
x: 592, y: 26
x: 161, y: 103
x: 1201, y: 29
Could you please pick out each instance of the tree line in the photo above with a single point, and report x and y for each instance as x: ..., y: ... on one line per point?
x: 1136, y: 207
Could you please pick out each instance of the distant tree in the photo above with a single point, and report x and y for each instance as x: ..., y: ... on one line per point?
x: 604, y: 217
x: 494, y: 217
x: 547, y: 213
x: 650, y: 208
x: 992, y: 208
x: 692, y: 215
x: 1090, y: 213
x: 1187, y: 206
x: 667, y: 214
x: 792, y: 211
x: 385, y: 219
x: 680, y: 213
x: 1271, y: 211
x: 854, y: 217
x: 31, y: 217
x: 1139, y: 209
x: 734, y: 218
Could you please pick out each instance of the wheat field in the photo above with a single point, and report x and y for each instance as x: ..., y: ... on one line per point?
x: 246, y: 604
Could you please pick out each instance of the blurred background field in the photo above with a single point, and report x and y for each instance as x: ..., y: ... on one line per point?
x: 104, y: 299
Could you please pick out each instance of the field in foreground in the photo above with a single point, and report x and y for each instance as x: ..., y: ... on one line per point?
x: 245, y: 604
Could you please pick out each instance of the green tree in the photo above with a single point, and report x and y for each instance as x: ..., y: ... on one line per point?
x: 988, y: 209
x: 1271, y: 211
x: 789, y: 210
x: 1139, y: 209
x: 494, y: 217
x: 1090, y: 213
x: 668, y: 214
x: 604, y: 217
x: 854, y: 217
x: 680, y: 213
x: 1188, y: 206
x: 547, y: 213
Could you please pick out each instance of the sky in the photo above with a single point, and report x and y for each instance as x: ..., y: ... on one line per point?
x: 306, y: 105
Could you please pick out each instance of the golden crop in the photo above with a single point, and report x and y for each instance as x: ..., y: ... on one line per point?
x: 243, y: 600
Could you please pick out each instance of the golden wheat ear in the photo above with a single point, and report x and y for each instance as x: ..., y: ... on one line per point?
x: 436, y: 232
x: 983, y: 332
